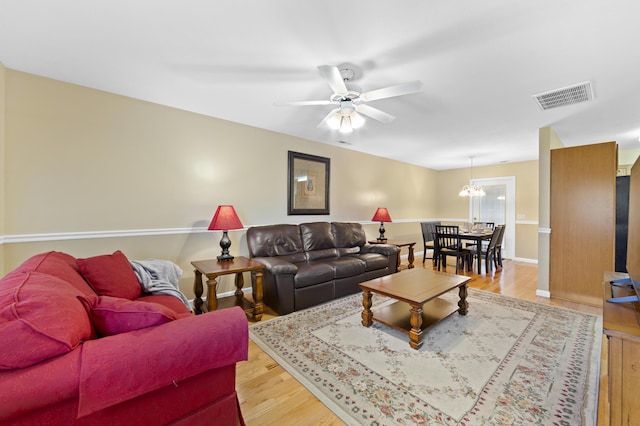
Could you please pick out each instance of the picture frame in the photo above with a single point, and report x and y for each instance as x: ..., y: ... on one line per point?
x: 308, y: 184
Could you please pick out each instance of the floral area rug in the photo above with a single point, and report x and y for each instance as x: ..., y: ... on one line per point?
x: 506, y: 362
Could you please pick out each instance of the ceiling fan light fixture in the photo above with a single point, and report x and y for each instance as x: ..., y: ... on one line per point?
x: 345, y: 125
x: 334, y: 120
x: 350, y: 99
x: 357, y: 120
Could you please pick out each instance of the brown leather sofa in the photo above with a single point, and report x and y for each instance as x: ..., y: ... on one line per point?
x: 316, y: 262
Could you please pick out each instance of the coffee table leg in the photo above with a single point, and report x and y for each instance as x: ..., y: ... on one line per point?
x: 367, y: 315
x: 411, y: 258
x: 462, y: 303
x: 415, y: 334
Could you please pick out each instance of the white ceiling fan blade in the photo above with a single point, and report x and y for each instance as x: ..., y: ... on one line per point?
x: 391, y: 91
x: 302, y: 103
x: 374, y: 113
x: 324, y: 120
x: 332, y: 76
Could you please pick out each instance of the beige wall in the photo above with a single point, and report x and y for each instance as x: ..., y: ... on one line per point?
x: 85, y: 164
x: 2, y: 164
x: 627, y: 157
x: 453, y: 207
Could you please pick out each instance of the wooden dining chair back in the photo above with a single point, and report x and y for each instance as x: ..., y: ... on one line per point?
x: 499, y: 246
x: 483, y: 225
x: 490, y: 225
x: 448, y: 243
x: 489, y: 253
x: 428, y: 236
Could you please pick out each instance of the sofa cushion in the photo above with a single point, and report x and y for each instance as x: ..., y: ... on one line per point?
x: 373, y: 261
x: 167, y: 300
x: 322, y: 254
x: 310, y: 273
x: 40, y: 318
x: 273, y: 240
x: 316, y: 236
x: 347, y: 267
x: 111, y: 275
x: 347, y: 234
x: 115, y: 315
x: 60, y: 265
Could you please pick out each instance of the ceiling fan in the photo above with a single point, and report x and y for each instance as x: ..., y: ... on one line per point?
x: 351, y: 101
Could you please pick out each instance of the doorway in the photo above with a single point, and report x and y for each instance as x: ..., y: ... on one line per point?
x: 497, y: 206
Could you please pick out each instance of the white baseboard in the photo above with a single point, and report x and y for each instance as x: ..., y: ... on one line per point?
x: 419, y: 254
x: 543, y: 293
x: 525, y: 260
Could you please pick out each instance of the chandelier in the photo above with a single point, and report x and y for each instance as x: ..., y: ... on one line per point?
x: 471, y: 190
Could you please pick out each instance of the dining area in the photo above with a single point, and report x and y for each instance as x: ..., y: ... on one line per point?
x: 470, y: 244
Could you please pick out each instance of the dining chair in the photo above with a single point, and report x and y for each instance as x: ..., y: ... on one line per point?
x: 491, y: 225
x: 428, y: 236
x: 485, y: 225
x: 449, y: 243
x: 489, y: 252
x: 499, y: 246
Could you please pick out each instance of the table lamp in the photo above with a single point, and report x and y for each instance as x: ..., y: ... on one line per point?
x: 224, y: 219
x: 381, y: 215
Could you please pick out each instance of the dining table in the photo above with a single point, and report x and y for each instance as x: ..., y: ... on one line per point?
x: 477, y: 236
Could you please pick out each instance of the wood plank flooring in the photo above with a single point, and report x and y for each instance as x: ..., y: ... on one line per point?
x: 270, y: 396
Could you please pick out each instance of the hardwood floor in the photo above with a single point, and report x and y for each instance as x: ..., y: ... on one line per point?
x: 270, y: 396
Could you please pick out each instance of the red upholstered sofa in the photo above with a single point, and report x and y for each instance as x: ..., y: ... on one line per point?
x: 73, y: 352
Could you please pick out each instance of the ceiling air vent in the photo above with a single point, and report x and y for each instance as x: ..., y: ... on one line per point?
x: 573, y: 94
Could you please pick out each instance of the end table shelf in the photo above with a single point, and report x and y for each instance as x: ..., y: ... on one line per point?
x: 212, y: 269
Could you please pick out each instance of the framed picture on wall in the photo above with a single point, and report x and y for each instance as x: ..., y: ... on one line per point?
x: 308, y: 184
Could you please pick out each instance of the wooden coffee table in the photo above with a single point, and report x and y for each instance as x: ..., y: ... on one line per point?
x: 420, y: 289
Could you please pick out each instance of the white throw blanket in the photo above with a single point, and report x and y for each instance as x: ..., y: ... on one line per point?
x: 159, y: 277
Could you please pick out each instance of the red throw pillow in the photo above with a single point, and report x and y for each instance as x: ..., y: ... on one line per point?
x: 114, y: 315
x: 40, y: 318
x: 111, y: 275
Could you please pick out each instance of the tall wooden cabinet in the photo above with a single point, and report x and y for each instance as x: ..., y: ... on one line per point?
x: 582, y: 241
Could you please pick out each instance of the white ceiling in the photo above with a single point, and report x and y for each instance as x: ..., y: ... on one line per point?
x: 480, y: 62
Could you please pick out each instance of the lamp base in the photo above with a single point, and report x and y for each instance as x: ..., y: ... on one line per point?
x: 382, y: 237
x: 225, y: 257
x: 225, y: 243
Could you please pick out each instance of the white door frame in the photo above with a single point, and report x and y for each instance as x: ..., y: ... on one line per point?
x: 510, y: 235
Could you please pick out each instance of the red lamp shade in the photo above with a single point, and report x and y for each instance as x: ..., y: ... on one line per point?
x: 381, y: 215
x: 224, y: 219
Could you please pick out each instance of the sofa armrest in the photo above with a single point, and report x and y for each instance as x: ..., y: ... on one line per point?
x: 277, y: 266
x: 386, y: 249
x: 121, y: 367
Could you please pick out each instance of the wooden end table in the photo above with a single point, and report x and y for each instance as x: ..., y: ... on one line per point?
x: 212, y: 269
x: 419, y: 288
x: 400, y: 244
